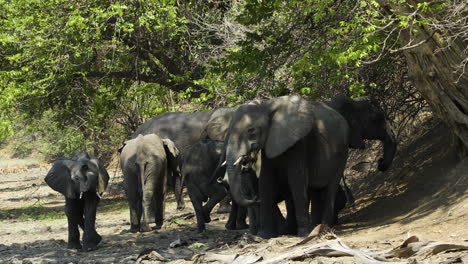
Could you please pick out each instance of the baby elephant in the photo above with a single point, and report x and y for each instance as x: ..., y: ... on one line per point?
x: 82, y: 179
x: 145, y: 162
x: 197, y: 173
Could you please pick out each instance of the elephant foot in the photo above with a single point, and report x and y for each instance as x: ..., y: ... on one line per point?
x: 134, y: 228
x: 253, y: 229
x: 230, y: 225
x: 242, y: 225
x: 201, y: 228
x: 206, y: 215
x: 92, y: 243
x: 181, y: 205
x: 267, y: 234
x: 158, y: 226
x: 303, y: 232
x: 145, y: 228
x: 74, y: 245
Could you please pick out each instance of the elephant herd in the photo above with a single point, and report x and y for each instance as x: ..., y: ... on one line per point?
x: 284, y: 149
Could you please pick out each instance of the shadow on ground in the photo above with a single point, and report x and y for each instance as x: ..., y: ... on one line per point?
x: 426, y: 175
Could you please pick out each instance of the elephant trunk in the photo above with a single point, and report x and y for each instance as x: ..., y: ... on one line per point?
x: 234, y: 172
x: 389, y: 149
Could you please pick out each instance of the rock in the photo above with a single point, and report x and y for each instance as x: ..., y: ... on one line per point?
x: 149, y: 255
x: 177, y: 243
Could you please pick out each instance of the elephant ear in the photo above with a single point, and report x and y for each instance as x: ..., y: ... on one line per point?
x: 218, y: 125
x: 351, y: 111
x: 291, y: 118
x: 59, y: 178
x: 103, y: 178
x: 172, y: 153
x: 119, y: 150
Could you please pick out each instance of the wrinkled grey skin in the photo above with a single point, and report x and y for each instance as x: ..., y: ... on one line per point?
x: 197, y: 170
x: 185, y: 129
x: 145, y: 163
x: 304, y: 148
x: 365, y: 122
x: 82, y: 179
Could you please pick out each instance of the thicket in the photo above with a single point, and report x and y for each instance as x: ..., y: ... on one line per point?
x: 82, y: 75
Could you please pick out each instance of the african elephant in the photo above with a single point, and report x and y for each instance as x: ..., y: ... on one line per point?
x: 365, y: 122
x: 145, y: 162
x: 303, y: 148
x: 82, y: 179
x: 186, y: 129
x: 197, y: 170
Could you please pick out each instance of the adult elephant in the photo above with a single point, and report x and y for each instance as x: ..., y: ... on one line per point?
x: 303, y: 147
x: 186, y: 129
x: 366, y: 122
x: 146, y: 161
x: 82, y: 179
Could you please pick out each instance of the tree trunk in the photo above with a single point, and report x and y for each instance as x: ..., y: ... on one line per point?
x: 436, y: 68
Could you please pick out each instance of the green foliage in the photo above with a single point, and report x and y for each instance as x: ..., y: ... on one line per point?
x: 197, y: 246
x: 34, y: 212
x: 95, y: 70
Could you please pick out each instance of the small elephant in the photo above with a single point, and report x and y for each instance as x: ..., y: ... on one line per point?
x: 145, y: 162
x: 199, y: 166
x: 82, y: 179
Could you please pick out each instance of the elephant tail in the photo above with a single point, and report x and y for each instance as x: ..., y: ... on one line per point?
x: 349, y: 195
x: 141, y: 178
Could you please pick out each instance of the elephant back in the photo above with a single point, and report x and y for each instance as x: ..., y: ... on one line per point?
x: 184, y: 129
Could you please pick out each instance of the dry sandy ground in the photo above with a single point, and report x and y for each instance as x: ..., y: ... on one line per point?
x: 423, y: 194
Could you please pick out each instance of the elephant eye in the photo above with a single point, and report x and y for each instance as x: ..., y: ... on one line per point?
x: 84, y: 167
x: 251, y: 133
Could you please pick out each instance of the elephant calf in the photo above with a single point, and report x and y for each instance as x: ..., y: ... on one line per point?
x: 82, y: 179
x: 145, y: 162
x: 197, y: 173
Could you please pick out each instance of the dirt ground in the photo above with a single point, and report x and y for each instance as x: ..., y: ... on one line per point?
x: 424, y: 194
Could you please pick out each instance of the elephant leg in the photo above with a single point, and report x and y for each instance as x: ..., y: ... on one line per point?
x: 231, y: 223
x: 316, y: 202
x: 224, y: 205
x: 196, y: 199
x: 159, y: 197
x: 340, y: 203
x: 91, y: 238
x: 297, y: 179
x: 329, y: 212
x: 72, y: 210
x: 134, y: 203
x: 287, y: 226
x: 217, y: 194
x: 253, y: 212
x: 178, y: 189
x: 146, y: 203
x: 241, y: 217
x: 134, y: 197
x: 267, y: 186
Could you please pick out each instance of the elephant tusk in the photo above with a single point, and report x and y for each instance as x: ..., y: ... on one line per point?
x: 223, y: 164
x: 98, y: 195
x: 81, y: 195
x: 238, y: 160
